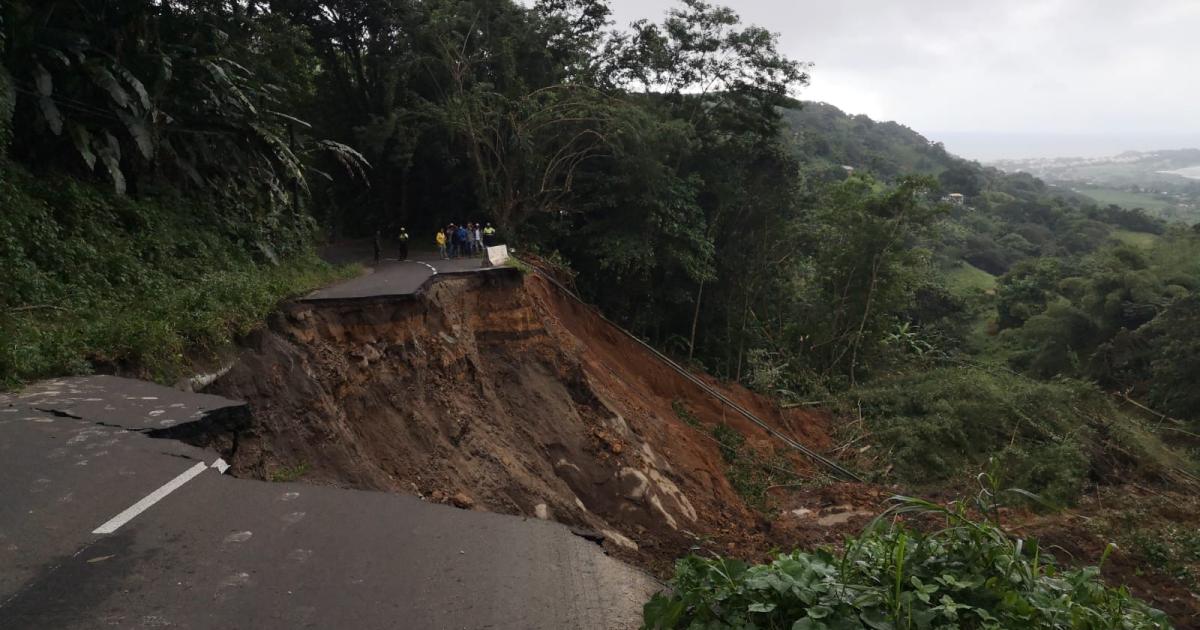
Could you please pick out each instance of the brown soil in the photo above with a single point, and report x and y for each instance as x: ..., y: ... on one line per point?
x: 1157, y: 554
x: 499, y: 393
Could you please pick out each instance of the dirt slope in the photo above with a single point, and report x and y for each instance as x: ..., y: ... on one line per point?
x: 496, y: 392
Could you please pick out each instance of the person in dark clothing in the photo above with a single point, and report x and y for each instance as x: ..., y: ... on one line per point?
x: 403, y: 244
x: 451, y: 237
x: 378, y: 245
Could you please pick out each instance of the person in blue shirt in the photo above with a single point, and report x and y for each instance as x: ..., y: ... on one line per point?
x: 460, y: 237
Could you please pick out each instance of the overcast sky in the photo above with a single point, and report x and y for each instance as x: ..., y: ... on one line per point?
x: 997, y: 78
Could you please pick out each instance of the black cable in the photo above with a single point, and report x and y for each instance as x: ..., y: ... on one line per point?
x: 808, y: 452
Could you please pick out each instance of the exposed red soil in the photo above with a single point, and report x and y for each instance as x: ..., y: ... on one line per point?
x: 500, y: 393
x: 504, y: 394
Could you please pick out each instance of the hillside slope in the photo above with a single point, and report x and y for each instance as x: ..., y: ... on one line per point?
x: 822, y: 135
x: 502, y: 394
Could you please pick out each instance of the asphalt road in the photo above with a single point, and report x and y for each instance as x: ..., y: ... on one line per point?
x: 395, y: 278
x: 77, y: 457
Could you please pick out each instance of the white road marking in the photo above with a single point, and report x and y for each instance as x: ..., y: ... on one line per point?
x: 132, y: 511
x: 421, y: 262
x: 220, y: 465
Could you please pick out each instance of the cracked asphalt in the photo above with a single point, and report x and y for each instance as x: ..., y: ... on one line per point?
x: 221, y: 552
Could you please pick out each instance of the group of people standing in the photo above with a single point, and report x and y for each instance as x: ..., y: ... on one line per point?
x: 460, y: 241
x: 453, y: 241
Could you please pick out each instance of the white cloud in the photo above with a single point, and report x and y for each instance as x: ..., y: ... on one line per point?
x: 1019, y: 66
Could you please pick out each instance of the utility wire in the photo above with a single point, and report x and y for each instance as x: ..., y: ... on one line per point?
x: 806, y: 451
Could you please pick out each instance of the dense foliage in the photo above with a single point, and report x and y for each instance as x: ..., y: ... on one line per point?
x: 89, y: 279
x: 968, y: 574
x: 1123, y: 315
x: 165, y: 168
x: 786, y: 245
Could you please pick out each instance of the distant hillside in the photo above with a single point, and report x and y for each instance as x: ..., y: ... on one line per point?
x: 1164, y: 183
x: 1006, y: 217
x: 1128, y: 168
x: 826, y: 137
x: 827, y: 140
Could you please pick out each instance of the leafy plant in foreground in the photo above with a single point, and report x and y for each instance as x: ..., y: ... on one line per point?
x: 969, y: 574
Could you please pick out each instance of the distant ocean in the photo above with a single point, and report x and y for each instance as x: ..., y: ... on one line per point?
x: 1000, y: 146
x: 1192, y: 172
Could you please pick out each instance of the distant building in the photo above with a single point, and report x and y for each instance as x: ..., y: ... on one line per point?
x: 954, y: 199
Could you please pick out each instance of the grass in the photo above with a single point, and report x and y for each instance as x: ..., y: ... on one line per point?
x: 684, y: 414
x: 751, y: 474
x: 1144, y: 240
x: 90, y: 281
x: 1050, y: 437
x: 288, y: 473
x: 1124, y: 198
x: 519, y: 265
x: 966, y: 279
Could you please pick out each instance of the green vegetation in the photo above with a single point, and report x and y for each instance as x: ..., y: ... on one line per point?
x: 162, y: 191
x: 89, y: 279
x: 1123, y: 316
x: 288, y: 473
x: 1051, y: 437
x: 1137, y: 239
x: 1174, y: 550
x: 751, y: 473
x: 685, y: 414
x: 828, y: 140
x: 1125, y: 198
x: 1154, y: 181
x: 964, y: 278
x: 969, y: 573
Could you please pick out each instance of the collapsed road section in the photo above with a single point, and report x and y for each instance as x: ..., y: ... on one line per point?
x: 104, y: 525
x: 495, y: 391
x: 315, y: 501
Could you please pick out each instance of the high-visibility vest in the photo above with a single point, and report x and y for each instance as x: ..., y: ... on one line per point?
x: 489, y: 230
x: 404, y: 235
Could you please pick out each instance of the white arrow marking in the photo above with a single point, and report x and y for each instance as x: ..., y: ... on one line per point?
x: 132, y: 511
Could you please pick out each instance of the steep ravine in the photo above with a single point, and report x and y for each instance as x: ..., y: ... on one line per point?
x: 495, y: 392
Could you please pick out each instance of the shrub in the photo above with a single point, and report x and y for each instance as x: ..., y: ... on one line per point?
x: 943, y: 422
x: 92, y: 280
x: 970, y: 574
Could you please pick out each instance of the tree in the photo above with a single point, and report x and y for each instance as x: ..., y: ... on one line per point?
x: 1174, y: 343
x: 863, y: 269
x: 153, y: 91
x: 713, y: 74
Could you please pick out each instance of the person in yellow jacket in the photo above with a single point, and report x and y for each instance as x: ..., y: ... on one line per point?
x: 441, y: 243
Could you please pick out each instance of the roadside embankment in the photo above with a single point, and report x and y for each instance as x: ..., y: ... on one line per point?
x: 495, y: 392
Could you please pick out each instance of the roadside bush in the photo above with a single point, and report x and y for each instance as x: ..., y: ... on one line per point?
x: 91, y: 280
x: 970, y: 574
x: 943, y: 422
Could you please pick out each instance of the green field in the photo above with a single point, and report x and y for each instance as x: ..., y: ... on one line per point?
x: 964, y: 278
x: 1144, y: 240
x: 1124, y: 198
